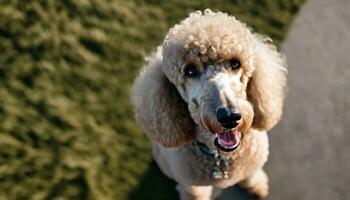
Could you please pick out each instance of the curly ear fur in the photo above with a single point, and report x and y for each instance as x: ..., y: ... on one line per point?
x: 160, y: 110
x: 266, y: 86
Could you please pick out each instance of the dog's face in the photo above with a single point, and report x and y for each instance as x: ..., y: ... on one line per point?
x: 213, y: 73
x: 210, y: 61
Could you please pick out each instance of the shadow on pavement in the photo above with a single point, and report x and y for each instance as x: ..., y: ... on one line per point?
x: 235, y: 193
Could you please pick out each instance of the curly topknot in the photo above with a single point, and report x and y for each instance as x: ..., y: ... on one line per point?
x: 213, y: 34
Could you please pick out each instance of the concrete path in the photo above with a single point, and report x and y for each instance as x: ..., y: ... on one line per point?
x: 310, y: 148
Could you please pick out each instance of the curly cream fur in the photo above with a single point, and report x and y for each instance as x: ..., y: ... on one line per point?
x: 154, y: 97
x: 174, y: 110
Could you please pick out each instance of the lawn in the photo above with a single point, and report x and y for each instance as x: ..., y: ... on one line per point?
x: 67, y: 129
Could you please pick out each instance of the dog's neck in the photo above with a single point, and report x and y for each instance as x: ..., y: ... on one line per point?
x: 203, y: 144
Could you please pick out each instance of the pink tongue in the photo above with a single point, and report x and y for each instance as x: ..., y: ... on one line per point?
x: 228, y: 138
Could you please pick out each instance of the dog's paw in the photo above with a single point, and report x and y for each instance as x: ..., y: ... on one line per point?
x: 257, y: 184
x: 260, y: 190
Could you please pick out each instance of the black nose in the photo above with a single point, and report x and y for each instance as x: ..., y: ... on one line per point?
x: 228, y: 117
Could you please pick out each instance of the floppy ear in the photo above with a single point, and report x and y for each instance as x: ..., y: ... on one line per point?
x: 266, y: 86
x: 160, y: 110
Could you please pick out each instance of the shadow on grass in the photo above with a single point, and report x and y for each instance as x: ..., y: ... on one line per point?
x: 154, y: 185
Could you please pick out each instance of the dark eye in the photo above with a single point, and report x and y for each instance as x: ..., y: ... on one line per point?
x: 191, y: 70
x: 235, y: 64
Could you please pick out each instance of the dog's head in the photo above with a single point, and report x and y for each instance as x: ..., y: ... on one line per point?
x: 227, y: 78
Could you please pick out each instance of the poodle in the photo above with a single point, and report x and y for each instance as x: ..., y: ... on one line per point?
x: 206, y: 99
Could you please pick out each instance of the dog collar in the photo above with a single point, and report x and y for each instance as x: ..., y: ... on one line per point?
x: 221, y: 163
x: 204, y: 149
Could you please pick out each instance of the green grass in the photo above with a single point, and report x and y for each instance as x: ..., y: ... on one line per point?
x: 66, y: 68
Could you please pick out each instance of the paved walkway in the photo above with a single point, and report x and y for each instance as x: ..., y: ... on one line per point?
x: 310, y: 148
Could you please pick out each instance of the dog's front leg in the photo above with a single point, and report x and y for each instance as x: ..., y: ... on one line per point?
x: 257, y: 184
x: 194, y: 192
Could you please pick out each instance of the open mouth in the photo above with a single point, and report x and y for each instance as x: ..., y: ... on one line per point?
x: 228, y: 140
